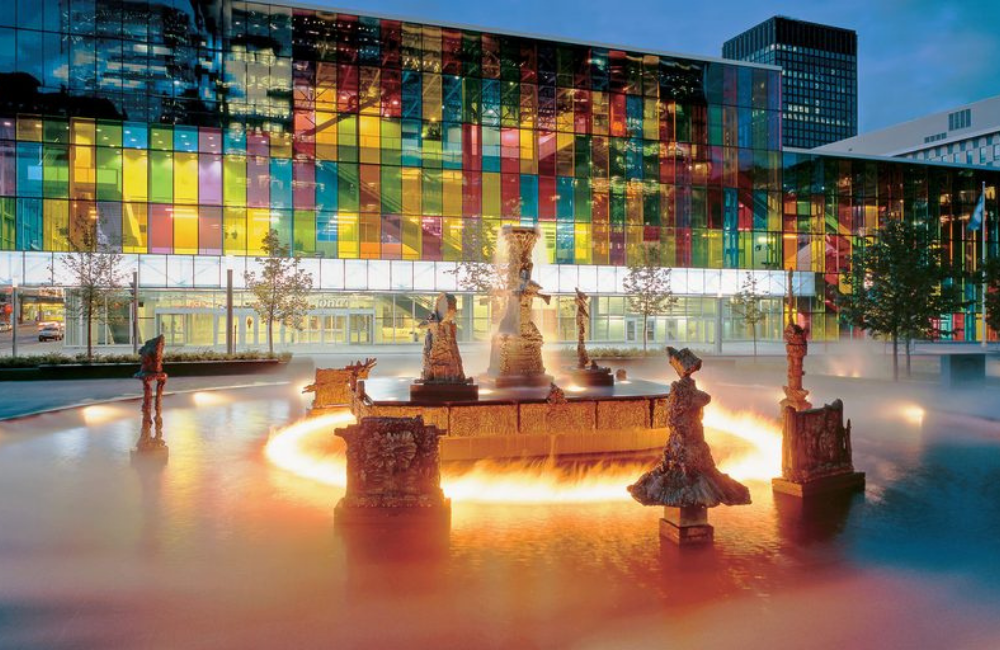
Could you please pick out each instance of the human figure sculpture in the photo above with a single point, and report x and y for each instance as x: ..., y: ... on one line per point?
x: 442, y: 360
x: 582, y: 301
x: 796, y: 348
x: 150, y: 371
x: 686, y: 480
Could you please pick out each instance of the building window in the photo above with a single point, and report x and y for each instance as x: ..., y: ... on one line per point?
x: 960, y: 119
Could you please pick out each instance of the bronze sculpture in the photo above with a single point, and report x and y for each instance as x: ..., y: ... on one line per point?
x: 150, y: 440
x: 442, y: 378
x: 587, y: 372
x: 333, y: 386
x: 686, y: 481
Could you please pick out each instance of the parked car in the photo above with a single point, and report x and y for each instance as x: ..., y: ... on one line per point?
x: 51, y: 332
x: 6, y: 327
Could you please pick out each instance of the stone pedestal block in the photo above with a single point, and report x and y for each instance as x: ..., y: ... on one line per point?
x: 443, y: 392
x: 686, y: 526
x: 344, y: 513
x: 847, y: 482
x: 592, y: 376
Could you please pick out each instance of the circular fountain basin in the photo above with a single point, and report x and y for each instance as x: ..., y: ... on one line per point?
x: 522, y: 422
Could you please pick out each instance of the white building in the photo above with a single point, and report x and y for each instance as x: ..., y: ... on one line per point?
x: 968, y: 135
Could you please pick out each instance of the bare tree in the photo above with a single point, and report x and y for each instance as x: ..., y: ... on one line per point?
x: 482, y: 270
x: 95, y: 266
x: 648, y: 286
x: 280, y: 294
x: 748, y: 304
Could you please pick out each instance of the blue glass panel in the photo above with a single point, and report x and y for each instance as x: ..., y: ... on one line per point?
x: 326, y: 186
x: 564, y: 204
x: 491, y: 102
x: 529, y: 196
x: 633, y: 115
x: 281, y: 184
x: 412, y: 100
x: 135, y: 135
x: 235, y: 140
x: 326, y: 227
x: 8, y: 49
x: 411, y: 131
x: 565, y: 243
x: 29, y: 224
x: 730, y: 223
x: 29, y: 169
x: 186, y: 139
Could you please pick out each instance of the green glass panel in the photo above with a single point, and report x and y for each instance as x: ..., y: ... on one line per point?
x: 109, y: 174
x: 161, y: 177
x: 347, y: 187
x: 55, y: 177
x: 304, y: 233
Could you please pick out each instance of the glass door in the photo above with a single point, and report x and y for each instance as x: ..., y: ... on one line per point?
x: 360, y: 329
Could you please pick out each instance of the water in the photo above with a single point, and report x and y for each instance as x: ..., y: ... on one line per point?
x: 221, y: 549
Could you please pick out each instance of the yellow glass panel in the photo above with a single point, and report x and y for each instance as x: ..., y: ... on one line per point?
x: 452, y: 238
x: 135, y: 170
x: 281, y: 145
x: 83, y: 131
x: 600, y: 112
x: 633, y: 203
x: 371, y: 236
x: 582, y: 254
x: 259, y: 225
x: 29, y: 129
x: 186, y: 178
x: 368, y: 92
x: 368, y: 138
x: 185, y: 230
x: 83, y: 172
x: 565, y: 162
x: 650, y: 120
x: 411, y: 191
x: 348, y: 236
x: 432, y: 97
x: 411, y: 238
x: 548, y: 240
x: 491, y: 194
x: 452, y: 190
x: 529, y: 161
x: 234, y: 231
x: 326, y: 136
x: 134, y: 228
x: 55, y: 225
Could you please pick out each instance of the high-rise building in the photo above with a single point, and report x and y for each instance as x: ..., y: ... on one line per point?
x: 819, y: 76
x: 387, y: 152
x: 968, y: 134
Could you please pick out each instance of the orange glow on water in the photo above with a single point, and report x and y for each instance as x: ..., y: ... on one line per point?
x: 746, y: 446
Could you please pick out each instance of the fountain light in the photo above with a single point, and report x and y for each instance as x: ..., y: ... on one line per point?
x: 99, y: 414
x: 913, y: 414
x: 573, y: 388
x: 207, y: 398
x: 304, y: 448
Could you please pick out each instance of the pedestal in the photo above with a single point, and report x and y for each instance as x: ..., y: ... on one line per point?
x: 686, y: 526
x: 847, y: 482
x: 592, y: 376
x: 152, y: 453
x: 442, y: 392
x: 434, y: 515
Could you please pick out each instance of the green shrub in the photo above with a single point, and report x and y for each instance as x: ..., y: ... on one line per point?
x: 58, y: 358
x: 614, y: 353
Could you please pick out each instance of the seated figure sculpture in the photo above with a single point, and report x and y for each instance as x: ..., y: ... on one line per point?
x: 443, y: 377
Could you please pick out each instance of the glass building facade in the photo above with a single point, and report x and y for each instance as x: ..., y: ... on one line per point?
x: 819, y: 76
x: 384, y: 152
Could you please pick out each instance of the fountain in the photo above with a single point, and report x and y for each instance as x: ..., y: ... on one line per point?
x: 516, y: 348
x: 332, y: 386
x: 150, y: 443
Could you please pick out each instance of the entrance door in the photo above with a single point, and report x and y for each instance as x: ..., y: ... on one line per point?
x: 360, y: 328
x: 335, y: 328
x: 172, y: 327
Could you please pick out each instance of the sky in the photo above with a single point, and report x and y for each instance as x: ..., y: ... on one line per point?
x: 915, y: 57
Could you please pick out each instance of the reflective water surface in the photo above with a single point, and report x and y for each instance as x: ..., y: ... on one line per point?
x: 222, y: 548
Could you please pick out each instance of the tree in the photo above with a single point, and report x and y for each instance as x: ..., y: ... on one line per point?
x: 748, y: 304
x: 95, y: 266
x: 482, y: 270
x: 899, y: 286
x: 648, y: 286
x: 992, y: 280
x: 280, y: 294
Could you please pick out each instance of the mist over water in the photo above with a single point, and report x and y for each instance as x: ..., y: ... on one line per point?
x: 222, y: 548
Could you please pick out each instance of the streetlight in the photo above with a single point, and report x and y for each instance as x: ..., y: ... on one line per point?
x: 718, y: 321
x: 230, y: 343
x: 13, y: 317
x: 136, y: 334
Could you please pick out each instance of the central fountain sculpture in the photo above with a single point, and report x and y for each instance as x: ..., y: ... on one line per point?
x: 686, y: 482
x: 516, y: 348
x: 443, y: 378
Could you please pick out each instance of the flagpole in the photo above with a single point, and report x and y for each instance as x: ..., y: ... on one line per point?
x: 982, y: 265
